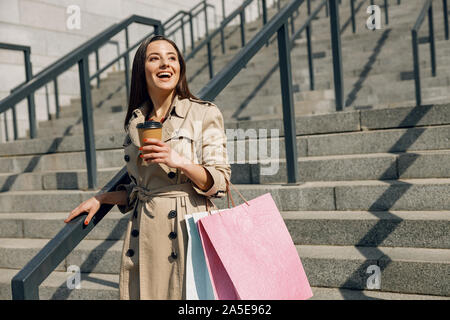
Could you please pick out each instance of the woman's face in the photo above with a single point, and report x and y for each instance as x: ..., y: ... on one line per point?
x: 162, y: 67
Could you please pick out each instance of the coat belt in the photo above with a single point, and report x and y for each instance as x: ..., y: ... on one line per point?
x: 142, y: 194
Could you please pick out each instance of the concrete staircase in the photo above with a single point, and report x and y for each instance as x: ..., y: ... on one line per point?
x: 375, y: 183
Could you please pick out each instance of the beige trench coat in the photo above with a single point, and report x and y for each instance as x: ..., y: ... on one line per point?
x: 154, y: 249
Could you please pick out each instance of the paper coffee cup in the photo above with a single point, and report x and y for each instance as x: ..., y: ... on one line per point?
x: 149, y: 130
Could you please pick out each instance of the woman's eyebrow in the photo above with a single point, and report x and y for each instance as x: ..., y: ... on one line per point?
x: 157, y: 53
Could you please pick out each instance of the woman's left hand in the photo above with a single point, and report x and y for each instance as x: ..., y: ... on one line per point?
x: 156, y: 151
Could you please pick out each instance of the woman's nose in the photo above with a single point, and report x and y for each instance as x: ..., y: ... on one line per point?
x: 164, y: 62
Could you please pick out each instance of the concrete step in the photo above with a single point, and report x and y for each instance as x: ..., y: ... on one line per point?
x: 347, y: 228
x: 59, y: 162
x: 54, y: 180
x: 373, y: 195
x: 46, y: 225
x: 362, y: 142
x: 403, y: 270
x: 109, y: 106
x: 370, y: 229
x: 382, y: 166
x: 101, y: 118
x: 382, y: 55
x: 94, y: 286
x: 324, y: 122
x: 322, y: 293
x: 272, y: 105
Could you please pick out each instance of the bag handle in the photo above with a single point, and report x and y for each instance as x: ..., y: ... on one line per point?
x: 229, y: 196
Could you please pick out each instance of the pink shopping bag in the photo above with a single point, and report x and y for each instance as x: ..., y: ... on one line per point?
x: 250, y: 254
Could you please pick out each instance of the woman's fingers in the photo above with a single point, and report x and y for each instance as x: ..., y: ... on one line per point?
x: 148, y: 156
x: 74, y: 213
x: 152, y: 148
x: 91, y: 213
x: 151, y: 141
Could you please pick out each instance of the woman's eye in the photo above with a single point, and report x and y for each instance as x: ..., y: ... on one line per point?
x: 152, y: 58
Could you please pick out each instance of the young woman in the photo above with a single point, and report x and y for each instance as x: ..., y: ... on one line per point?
x: 170, y: 178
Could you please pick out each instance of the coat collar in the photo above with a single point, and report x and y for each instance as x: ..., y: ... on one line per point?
x: 180, y: 107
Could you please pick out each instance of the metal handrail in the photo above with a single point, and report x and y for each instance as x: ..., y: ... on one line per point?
x: 427, y: 9
x: 207, y: 42
x: 79, y: 57
x: 28, y: 75
x: 25, y: 284
x: 31, y: 107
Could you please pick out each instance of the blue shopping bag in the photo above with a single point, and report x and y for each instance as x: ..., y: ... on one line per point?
x: 198, y: 282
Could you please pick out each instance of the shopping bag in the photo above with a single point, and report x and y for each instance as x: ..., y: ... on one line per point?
x: 250, y: 253
x: 198, y: 282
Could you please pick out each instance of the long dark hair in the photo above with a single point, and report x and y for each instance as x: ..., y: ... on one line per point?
x: 138, y: 88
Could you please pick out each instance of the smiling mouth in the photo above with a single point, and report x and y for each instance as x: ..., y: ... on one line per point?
x: 164, y: 75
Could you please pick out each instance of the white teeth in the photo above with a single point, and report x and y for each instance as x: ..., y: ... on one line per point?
x: 164, y: 74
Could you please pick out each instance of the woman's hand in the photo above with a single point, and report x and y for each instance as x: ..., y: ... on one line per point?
x: 91, y: 206
x: 156, y: 151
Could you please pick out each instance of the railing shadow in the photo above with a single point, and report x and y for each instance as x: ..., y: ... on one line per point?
x: 94, y: 257
x: 204, y: 67
x: 381, y: 230
x: 347, y: 23
x: 255, y: 91
x: 351, y: 97
x: 34, y: 162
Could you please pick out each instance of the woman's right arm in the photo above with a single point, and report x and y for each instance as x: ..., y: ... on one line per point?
x: 93, y: 204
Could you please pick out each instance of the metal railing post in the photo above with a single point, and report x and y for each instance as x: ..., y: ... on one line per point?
x: 222, y: 40
x: 242, y: 15
x: 210, y: 60
x: 30, y: 97
x: 88, y: 122
x: 127, y: 75
x: 264, y: 16
x: 97, y: 66
x: 264, y: 12
x: 290, y: 138
x: 292, y: 25
x: 183, y: 36
x: 6, y: 126
x: 21, y: 290
x: 223, y: 9
x: 126, y: 61
x: 14, y: 119
x: 206, y: 18
x: 191, y: 27
x: 47, y: 101
x: 445, y: 7
x: 310, y: 57
x: 415, y: 48
x: 337, y: 54
x: 57, y: 107
x: 432, y: 44
x: 352, y: 8
x: 386, y: 11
